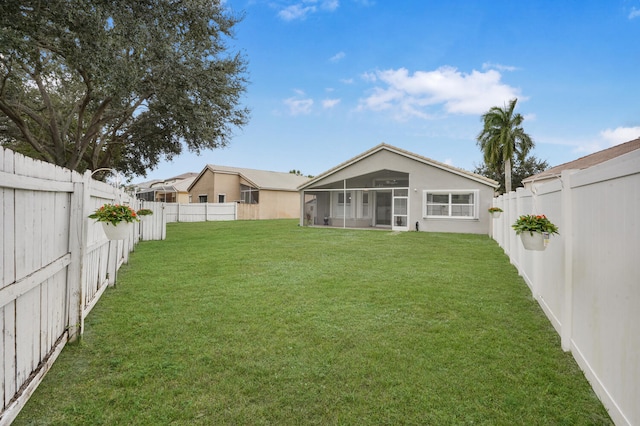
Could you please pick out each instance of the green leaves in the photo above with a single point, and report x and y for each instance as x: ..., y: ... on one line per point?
x: 534, y: 223
x: 120, y: 84
x: 502, y: 138
x: 116, y: 213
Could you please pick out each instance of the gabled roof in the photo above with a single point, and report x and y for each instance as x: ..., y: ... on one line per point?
x: 183, y: 176
x: 587, y: 160
x: 176, y: 180
x: 261, y: 179
x: 185, y: 182
x: 407, y: 154
x: 147, y: 184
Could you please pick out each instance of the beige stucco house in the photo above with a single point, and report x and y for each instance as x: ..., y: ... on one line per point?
x: 260, y: 194
x: 388, y: 187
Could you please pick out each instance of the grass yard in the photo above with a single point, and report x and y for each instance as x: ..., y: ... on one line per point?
x: 269, y: 323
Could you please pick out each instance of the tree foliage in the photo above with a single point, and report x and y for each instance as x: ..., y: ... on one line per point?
x: 522, y: 169
x: 87, y: 84
x: 502, y: 138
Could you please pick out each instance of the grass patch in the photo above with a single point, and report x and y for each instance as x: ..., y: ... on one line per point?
x: 266, y: 322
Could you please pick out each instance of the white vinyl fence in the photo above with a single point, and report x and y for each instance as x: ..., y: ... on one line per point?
x: 587, y: 280
x: 56, y: 263
x: 201, y: 212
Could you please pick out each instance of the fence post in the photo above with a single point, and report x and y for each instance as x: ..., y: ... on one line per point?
x: 77, y: 245
x: 567, y: 230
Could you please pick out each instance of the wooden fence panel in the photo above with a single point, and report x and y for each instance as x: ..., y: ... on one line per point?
x: 55, y: 265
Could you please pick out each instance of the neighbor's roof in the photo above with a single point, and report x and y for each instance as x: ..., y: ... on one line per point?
x: 183, y: 176
x: 185, y: 182
x: 188, y: 177
x: 587, y: 160
x: 261, y: 179
x: 399, y: 151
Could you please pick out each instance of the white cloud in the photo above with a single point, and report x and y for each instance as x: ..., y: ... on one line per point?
x: 499, y: 67
x: 330, y: 103
x: 448, y: 162
x: 620, y: 135
x: 302, y: 9
x: 299, y: 106
x: 337, y: 57
x: 346, y: 81
x: 457, y: 92
x: 369, y: 76
x: 296, y: 11
x: 635, y: 13
x: 330, y: 5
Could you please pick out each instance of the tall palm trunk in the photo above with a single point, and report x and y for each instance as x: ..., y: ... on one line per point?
x: 507, y: 175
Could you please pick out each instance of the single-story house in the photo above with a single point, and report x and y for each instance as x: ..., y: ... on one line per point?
x: 260, y: 194
x: 582, y: 163
x: 172, y: 190
x: 388, y: 187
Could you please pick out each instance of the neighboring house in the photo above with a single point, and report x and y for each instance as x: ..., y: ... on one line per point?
x: 582, y: 163
x: 388, y: 187
x: 172, y: 190
x: 260, y: 194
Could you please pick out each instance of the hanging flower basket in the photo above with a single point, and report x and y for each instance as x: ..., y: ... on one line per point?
x: 535, y: 241
x: 120, y: 231
x: 534, y: 231
x: 117, y: 220
x: 495, y: 212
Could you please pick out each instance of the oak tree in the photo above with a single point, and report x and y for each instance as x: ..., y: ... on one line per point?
x: 87, y: 84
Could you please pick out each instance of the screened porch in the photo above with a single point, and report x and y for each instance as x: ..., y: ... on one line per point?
x: 376, y: 200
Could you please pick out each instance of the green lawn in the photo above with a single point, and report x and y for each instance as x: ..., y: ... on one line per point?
x: 266, y: 322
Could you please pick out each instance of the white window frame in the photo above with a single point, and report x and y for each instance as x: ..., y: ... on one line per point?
x: 450, y: 192
x: 222, y: 196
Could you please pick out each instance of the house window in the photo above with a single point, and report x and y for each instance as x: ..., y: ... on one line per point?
x: 202, y: 198
x: 221, y: 198
x: 249, y: 195
x: 341, y: 198
x: 342, y: 205
x: 451, y: 204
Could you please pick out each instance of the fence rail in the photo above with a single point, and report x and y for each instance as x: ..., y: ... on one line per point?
x: 56, y: 263
x: 587, y: 280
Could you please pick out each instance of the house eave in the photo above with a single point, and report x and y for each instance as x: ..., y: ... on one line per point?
x: 383, y: 146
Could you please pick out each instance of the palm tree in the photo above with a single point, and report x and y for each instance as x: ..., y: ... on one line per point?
x: 503, y: 137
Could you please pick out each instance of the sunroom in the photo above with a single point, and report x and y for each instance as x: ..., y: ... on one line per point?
x: 378, y: 199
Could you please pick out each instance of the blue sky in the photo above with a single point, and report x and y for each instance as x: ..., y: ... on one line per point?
x: 330, y: 79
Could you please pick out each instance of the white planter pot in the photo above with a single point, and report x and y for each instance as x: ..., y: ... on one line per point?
x: 121, y: 231
x: 537, y: 241
x: 495, y: 215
